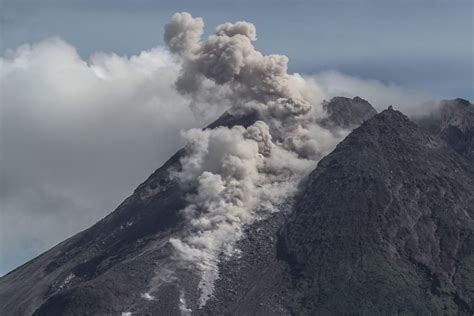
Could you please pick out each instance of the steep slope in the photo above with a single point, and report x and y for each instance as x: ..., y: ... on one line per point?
x: 384, y: 226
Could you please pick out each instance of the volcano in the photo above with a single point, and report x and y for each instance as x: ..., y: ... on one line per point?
x: 383, y: 225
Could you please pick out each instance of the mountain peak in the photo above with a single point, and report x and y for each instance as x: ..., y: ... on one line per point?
x: 461, y: 101
x: 391, y: 112
x: 347, y: 113
x: 388, y: 128
x: 391, y: 117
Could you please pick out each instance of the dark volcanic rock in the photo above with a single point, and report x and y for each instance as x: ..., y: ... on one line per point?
x: 384, y: 226
x: 347, y: 113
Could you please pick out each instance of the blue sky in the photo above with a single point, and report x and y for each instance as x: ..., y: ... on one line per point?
x: 426, y: 45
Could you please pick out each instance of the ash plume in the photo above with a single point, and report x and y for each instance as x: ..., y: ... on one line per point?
x: 183, y: 34
x: 240, y: 175
x: 229, y: 60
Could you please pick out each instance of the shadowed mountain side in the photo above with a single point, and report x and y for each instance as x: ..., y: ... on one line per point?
x: 384, y: 226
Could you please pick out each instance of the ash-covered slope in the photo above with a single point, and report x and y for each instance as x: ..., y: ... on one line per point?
x: 385, y: 225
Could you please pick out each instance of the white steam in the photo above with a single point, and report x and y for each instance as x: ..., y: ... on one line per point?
x: 183, y: 308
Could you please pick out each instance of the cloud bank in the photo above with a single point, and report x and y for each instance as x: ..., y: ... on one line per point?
x: 77, y: 136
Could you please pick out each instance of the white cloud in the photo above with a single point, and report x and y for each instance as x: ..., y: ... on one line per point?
x: 77, y: 136
x: 380, y: 95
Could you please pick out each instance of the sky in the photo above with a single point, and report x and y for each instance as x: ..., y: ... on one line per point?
x: 88, y: 108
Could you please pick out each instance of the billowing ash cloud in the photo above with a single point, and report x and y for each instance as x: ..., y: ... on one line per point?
x: 240, y: 174
x: 183, y: 34
x: 229, y: 59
